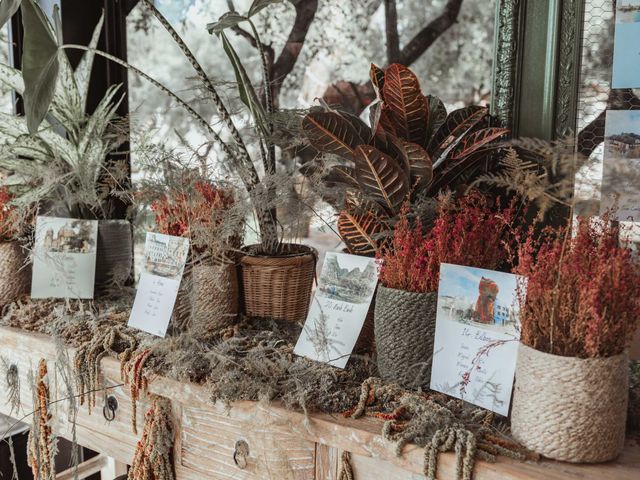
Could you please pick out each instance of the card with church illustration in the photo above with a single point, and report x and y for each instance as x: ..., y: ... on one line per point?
x: 338, y: 309
x: 626, y: 48
x: 64, y: 258
x: 477, y: 333
x: 620, y: 188
x: 164, y: 259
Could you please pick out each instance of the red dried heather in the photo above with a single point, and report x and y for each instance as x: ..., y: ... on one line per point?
x: 466, y: 232
x: 581, y: 298
x: 181, y: 213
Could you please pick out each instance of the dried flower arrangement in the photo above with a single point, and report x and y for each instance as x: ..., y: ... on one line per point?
x: 41, y: 441
x: 579, y: 311
x: 580, y: 297
x: 413, y: 150
x: 470, y: 230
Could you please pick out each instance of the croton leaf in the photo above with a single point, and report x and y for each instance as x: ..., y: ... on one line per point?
x: 377, y: 80
x: 476, y: 141
x: 420, y: 170
x: 342, y: 174
x: 363, y: 131
x: 39, y: 63
x: 360, y: 230
x: 456, y: 124
x: 409, y: 109
x: 381, y: 177
x: 437, y: 115
x: 330, y: 132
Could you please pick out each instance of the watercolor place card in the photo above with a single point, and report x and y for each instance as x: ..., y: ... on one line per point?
x: 64, y: 258
x: 477, y: 333
x: 164, y: 259
x: 620, y: 187
x: 626, y: 48
x: 338, y: 309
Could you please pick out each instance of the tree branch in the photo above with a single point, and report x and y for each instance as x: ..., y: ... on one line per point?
x: 391, y: 31
x: 429, y: 34
x: 305, y: 13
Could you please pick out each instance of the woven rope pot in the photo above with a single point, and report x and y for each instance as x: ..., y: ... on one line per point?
x: 278, y: 287
x: 114, y: 255
x: 15, y: 278
x: 570, y: 409
x: 405, y: 325
x: 215, y: 298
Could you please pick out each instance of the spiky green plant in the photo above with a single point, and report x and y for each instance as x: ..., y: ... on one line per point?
x: 62, y: 163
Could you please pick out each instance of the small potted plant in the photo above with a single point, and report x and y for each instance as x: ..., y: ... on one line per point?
x: 467, y: 231
x: 14, y: 263
x: 203, y: 212
x: 579, y: 311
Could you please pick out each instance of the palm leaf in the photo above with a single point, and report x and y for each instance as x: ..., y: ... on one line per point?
x: 360, y: 231
x: 407, y: 105
x: 329, y: 132
x: 456, y: 124
x: 476, y: 141
x: 381, y: 178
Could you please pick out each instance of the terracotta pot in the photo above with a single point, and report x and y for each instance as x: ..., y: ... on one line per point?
x: 570, y: 409
x: 405, y: 324
x: 278, y: 287
x: 16, y: 272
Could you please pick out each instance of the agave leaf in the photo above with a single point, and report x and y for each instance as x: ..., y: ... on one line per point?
x: 246, y: 91
x: 476, y: 141
x: 456, y: 124
x: 381, y: 178
x: 84, y: 68
x: 228, y: 20
x: 376, y: 74
x: 360, y: 230
x: 39, y: 63
x: 407, y: 105
x: 330, y: 132
x: 12, y: 78
x: 7, y: 9
x: 420, y: 169
x: 259, y: 5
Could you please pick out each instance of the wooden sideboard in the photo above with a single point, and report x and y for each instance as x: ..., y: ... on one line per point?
x: 282, y: 444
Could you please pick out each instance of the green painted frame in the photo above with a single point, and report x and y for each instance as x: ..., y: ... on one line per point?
x: 537, y: 66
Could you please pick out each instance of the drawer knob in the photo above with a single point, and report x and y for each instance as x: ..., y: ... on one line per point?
x: 241, y: 454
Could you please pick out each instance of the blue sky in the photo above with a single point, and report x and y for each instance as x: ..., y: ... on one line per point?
x: 458, y: 281
x: 174, y: 10
x: 622, y: 121
x: 626, y: 56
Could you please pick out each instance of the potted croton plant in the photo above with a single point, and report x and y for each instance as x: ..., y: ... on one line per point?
x: 579, y: 310
x: 202, y: 211
x: 468, y: 231
x: 60, y: 164
x: 14, y: 260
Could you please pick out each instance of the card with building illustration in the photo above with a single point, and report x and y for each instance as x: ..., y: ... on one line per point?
x: 164, y: 260
x: 626, y: 48
x: 64, y: 258
x: 477, y: 332
x: 338, y: 309
x: 621, y: 168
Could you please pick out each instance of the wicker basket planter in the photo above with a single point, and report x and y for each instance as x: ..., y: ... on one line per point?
x: 114, y: 255
x: 570, y: 409
x: 405, y: 324
x: 16, y: 272
x: 278, y: 287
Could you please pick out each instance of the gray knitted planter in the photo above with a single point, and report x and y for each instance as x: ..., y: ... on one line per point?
x: 405, y: 324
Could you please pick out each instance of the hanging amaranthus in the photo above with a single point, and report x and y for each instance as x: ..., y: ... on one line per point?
x: 132, y: 372
x: 41, y: 446
x: 153, y: 459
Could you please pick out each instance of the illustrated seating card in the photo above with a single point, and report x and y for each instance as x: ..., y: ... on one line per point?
x: 477, y: 333
x: 621, y: 168
x: 164, y: 260
x: 64, y: 261
x: 338, y: 309
x: 626, y: 48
